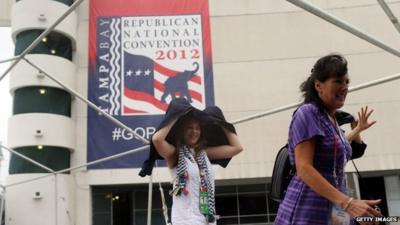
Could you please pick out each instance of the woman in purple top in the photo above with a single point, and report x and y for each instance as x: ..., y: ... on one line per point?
x: 317, y: 195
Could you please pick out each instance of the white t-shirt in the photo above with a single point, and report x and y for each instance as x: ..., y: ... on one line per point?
x: 185, y: 208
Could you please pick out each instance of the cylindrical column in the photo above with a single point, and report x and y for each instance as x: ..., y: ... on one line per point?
x: 41, y: 127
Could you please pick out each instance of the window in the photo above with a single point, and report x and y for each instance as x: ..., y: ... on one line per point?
x: 54, y: 44
x: 245, y: 204
x: 127, y: 205
x: 42, y: 99
x: 101, y: 203
x: 236, y: 204
x: 56, y: 158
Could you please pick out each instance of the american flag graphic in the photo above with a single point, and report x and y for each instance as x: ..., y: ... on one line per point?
x: 144, y: 84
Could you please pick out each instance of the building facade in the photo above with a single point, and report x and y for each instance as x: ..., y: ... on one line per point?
x: 262, y: 51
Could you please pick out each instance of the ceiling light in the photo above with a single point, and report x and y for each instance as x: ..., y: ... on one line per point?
x: 42, y: 91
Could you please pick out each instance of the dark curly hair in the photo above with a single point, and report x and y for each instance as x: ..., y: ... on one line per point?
x: 332, y: 65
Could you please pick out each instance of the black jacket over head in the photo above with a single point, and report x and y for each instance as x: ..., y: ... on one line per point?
x: 212, y: 120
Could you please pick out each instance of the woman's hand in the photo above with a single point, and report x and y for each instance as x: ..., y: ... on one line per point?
x: 363, y: 208
x: 360, y: 125
x: 363, y: 116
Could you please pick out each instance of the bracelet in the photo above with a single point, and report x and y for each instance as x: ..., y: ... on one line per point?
x: 348, y: 204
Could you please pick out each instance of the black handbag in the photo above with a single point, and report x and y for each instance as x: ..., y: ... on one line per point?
x: 282, y: 174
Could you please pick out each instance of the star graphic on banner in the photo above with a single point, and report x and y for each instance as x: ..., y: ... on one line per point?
x: 147, y: 72
x: 129, y: 73
x: 138, y: 72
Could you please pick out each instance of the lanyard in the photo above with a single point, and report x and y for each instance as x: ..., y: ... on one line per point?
x: 335, y: 151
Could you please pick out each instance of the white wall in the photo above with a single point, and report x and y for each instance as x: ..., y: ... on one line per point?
x: 49, y: 127
x: 5, y: 9
x: 40, y: 208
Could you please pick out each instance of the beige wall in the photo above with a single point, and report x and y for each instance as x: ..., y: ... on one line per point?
x: 5, y: 10
x: 262, y: 51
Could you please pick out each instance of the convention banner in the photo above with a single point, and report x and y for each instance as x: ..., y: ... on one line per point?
x: 142, y: 54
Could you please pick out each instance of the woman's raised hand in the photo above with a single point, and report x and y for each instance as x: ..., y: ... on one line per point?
x: 363, y: 117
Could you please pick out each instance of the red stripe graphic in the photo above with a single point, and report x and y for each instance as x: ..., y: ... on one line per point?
x: 129, y: 110
x: 196, y: 95
x: 158, y: 85
x: 171, y: 73
x: 142, y: 96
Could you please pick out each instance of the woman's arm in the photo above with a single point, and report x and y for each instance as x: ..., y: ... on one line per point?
x: 354, y: 134
x: 165, y: 149
x: 225, y: 151
x: 304, y: 156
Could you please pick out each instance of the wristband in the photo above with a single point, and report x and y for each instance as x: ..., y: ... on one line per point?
x: 348, y: 204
